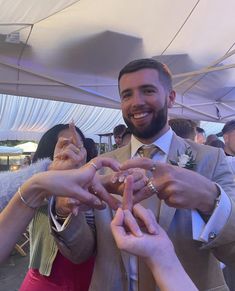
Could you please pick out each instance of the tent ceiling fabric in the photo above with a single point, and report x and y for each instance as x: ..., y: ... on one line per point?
x: 28, y: 118
x: 72, y: 50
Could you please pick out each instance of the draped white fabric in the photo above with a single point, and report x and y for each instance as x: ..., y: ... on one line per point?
x: 28, y: 118
x: 72, y: 51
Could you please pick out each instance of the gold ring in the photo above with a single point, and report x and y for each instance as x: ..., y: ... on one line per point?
x: 94, y: 166
x: 151, y: 187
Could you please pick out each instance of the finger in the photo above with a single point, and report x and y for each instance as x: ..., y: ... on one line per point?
x: 117, y: 226
x: 70, y: 154
x: 131, y: 223
x: 144, y: 163
x: 61, y: 143
x: 120, y: 176
x: 128, y: 194
x: 138, y: 185
x: 79, y: 151
x: 99, y: 162
x: 147, y: 217
x: 137, y: 174
x: 141, y: 194
x: 99, y: 190
x: 89, y: 199
x: 76, y: 140
x: 118, y: 218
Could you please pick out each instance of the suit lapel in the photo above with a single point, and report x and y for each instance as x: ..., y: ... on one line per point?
x: 124, y: 153
x: 178, y: 146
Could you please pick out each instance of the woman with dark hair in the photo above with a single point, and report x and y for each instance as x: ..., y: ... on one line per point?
x: 49, y: 139
x: 48, y: 268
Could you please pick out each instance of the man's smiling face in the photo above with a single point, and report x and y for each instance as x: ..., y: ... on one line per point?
x: 144, y: 103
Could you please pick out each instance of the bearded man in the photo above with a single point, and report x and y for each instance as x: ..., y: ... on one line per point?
x: 194, y: 204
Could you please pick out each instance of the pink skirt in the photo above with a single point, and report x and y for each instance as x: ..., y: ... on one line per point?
x: 65, y: 276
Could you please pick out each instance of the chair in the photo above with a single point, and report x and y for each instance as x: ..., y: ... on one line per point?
x: 20, y: 247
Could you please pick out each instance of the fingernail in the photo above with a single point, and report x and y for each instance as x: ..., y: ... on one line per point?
x: 121, y: 179
x: 114, y: 180
x: 139, y: 232
x: 97, y: 202
x: 152, y: 229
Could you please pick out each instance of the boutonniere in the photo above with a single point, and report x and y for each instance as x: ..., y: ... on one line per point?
x: 185, y: 160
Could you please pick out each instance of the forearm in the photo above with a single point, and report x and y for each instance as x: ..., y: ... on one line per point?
x: 76, y: 240
x: 17, y: 214
x: 11, y: 181
x: 13, y: 221
x: 170, y: 275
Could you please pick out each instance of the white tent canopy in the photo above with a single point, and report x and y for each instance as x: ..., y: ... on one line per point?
x: 28, y: 147
x: 10, y: 151
x: 72, y: 51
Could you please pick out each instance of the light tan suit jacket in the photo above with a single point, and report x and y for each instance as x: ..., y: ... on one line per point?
x: 111, y: 272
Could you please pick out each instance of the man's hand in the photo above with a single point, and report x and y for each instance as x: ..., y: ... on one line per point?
x: 178, y: 187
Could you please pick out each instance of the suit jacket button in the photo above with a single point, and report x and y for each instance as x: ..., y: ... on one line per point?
x: 212, y: 235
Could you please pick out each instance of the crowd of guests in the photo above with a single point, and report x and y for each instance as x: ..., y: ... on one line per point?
x: 158, y: 211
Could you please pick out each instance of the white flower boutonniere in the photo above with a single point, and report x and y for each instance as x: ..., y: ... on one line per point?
x: 185, y: 160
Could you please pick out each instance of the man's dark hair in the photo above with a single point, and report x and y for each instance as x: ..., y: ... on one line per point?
x: 164, y: 72
x: 185, y: 128
x: 229, y: 126
x: 119, y: 130
x: 200, y: 130
x: 217, y: 143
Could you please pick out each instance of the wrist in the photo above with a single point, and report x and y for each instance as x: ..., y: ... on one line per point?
x: 30, y: 196
x: 212, y: 201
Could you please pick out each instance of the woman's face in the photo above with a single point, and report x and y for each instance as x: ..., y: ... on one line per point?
x: 66, y: 133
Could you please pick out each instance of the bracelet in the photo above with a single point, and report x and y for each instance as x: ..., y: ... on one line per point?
x: 23, y: 200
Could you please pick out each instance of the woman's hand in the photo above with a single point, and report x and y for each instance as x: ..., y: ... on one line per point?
x: 71, y: 183
x: 136, y: 230
x: 69, y: 153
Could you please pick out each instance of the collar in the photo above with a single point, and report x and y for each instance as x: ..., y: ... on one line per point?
x: 163, y: 142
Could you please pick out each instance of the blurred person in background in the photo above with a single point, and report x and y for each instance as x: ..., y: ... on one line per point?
x: 26, y: 161
x: 184, y: 128
x: 211, y: 138
x: 200, y: 135
x: 228, y: 133
x: 126, y: 137
x: 118, y: 132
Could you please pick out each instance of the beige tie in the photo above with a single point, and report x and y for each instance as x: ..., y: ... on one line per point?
x: 148, y: 151
x: 146, y: 281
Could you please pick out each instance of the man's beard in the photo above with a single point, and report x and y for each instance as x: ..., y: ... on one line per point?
x: 157, y: 124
